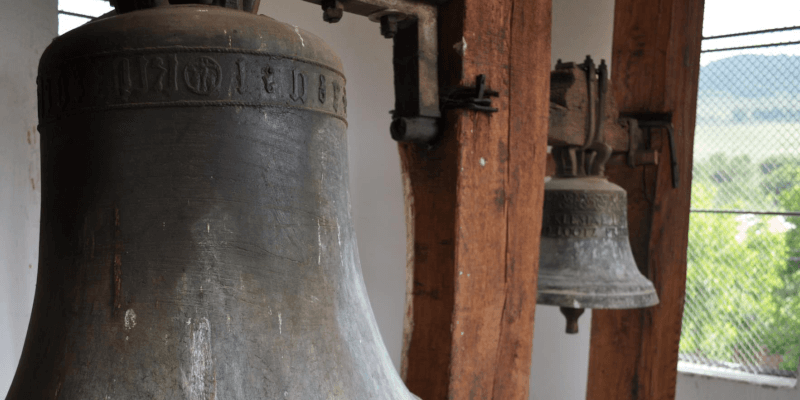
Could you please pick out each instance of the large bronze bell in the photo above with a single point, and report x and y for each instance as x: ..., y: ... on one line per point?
x: 196, y: 239
x: 585, y: 256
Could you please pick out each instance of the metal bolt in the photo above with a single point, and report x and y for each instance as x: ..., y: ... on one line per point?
x: 420, y: 130
x: 332, y: 11
x: 389, y: 25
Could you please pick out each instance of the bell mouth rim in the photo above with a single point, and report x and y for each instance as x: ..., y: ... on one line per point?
x: 556, y: 178
x: 616, y: 301
x: 602, y: 177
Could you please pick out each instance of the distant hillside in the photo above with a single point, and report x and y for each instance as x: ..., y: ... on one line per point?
x: 749, y: 89
x: 751, y: 76
x: 749, y: 105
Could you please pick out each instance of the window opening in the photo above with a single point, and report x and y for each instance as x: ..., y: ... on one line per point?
x: 742, y: 309
x: 74, y: 13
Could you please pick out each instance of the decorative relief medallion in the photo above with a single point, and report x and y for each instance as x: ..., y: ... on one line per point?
x: 204, y: 77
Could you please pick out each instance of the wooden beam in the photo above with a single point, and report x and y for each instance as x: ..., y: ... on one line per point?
x: 656, y: 53
x: 569, y: 110
x: 474, y: 204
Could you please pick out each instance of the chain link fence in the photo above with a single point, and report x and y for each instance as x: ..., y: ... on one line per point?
x: 742, y: 309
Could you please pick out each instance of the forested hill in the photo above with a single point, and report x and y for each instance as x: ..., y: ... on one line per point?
x: 751, y: 76
x: 743, y: 272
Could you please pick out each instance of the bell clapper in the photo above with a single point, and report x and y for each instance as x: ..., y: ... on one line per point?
x: 572, y: 315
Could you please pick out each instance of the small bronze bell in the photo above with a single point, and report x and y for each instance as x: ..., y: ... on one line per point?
x: 585, y: 258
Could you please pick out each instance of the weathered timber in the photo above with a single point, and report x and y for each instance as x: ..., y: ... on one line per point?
x: 569, y: 110
x: 527, y: 144
x: 634, y: 353
x: 474, y: 204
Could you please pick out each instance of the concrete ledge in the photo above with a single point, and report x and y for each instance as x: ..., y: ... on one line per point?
x: 736, y: 376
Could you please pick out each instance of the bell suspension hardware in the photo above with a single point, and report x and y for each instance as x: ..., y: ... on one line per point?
x: 470, y: 98
x: 196, y: 239
x: 411, y: 24
x: 585, y: 254
x: 650, y: 121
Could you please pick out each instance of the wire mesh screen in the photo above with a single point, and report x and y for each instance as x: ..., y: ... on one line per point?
x: 742, y: 309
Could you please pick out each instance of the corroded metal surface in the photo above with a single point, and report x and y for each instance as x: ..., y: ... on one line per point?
x: 586, y: 259
x: 196, y: 234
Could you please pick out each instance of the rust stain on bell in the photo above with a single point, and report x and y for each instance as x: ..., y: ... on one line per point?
x: 117, y: 274
x: 189, y: 153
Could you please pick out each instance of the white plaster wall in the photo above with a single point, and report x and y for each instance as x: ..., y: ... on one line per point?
x: 26, y: 27
x: 581, y: 28
x: 560, y: 364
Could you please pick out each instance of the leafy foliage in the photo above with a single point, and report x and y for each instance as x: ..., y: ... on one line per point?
x: 743, y: 281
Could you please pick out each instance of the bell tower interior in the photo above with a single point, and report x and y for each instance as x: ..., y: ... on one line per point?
x: 441, y: 226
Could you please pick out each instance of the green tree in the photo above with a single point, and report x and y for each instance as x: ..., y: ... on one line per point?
x: 786, y: 319
x: 742, y: 300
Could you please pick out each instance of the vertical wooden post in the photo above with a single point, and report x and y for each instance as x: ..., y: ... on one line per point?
x: 656, y: 52
x: 474, y: 204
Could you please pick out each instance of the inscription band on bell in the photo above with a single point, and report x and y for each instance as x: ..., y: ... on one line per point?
x: 187, y: 77
x: 570, y: 214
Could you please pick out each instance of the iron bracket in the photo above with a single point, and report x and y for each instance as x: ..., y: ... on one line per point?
x: 649, y: 121
x: 584, y: 116
x: 470, y: 97
x: 636, y: 153
x: 412, y: 24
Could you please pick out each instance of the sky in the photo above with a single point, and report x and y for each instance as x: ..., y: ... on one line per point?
x: 94, y: 8
x: 732, y: 16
